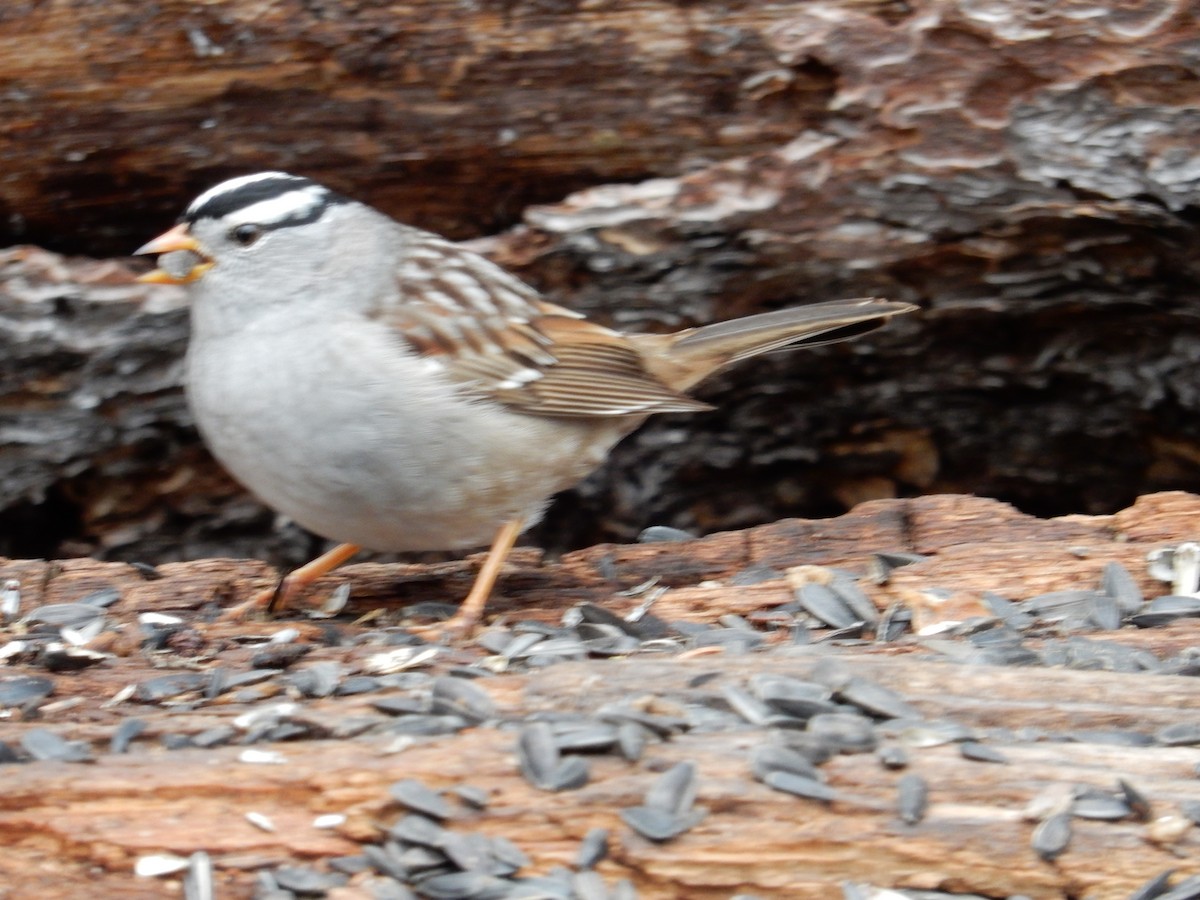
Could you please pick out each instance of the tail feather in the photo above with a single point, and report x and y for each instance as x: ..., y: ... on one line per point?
x: 699, y: 352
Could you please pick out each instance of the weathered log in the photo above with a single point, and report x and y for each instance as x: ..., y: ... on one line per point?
x: 971, y: 543
x: 67, y: 826
x: 461, y: 119
x: 70, y: 826
x: 1017, y: 171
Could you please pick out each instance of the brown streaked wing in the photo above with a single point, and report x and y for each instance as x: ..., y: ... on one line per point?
x: 597, y: 372
x: 497, y: 338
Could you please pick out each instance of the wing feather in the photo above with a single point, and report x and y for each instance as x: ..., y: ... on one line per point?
x: 497, y: 338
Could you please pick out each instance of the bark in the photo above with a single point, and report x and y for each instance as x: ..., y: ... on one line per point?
x: 972, y: 542
x: 1021, y: 171
x: 456, y: 117
x: 71, y: 827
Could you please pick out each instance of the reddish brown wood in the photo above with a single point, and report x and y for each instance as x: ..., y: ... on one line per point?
x: 67, y: 827
x: 1015, y: 172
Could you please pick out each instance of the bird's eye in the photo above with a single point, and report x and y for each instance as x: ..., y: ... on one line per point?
x: 246, y: 234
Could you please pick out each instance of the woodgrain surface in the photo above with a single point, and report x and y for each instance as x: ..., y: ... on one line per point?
x: 67, y: 826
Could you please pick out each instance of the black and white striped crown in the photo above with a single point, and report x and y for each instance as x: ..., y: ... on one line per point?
x: 269, y: 199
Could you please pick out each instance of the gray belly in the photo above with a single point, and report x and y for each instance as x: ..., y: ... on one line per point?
x: 387, y: 456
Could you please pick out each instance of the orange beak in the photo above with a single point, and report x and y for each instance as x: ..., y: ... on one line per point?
x: 171, y: 242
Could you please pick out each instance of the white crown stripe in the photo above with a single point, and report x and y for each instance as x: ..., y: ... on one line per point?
x: 234, y: 184
x: 296, y: 204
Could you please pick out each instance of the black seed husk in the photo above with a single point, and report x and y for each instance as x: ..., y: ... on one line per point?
x: 1154, y: 888
x: 416, y: 796
x: 892, y: 756
x: 537, y: 753
x: 357, y: 684
x: 470, y: 852
x: 800, y: 786
x: 349, y: 865
x: 417, y: 829
x: 658, y: 825
x: 475, y: 797
x: 1135, y: 799
x: 977, y: 752
x: 767, y: 758
x: 1105, y: 612
x: 166, y: 686
x: 63, y: 658
x: 674, y: 791
x: 541, y: 764
x: 463, y: 886
x: 631, y: 740
x: 1179, y: 734
x: 508, y: 854
x: 317, y: 680
x: 384, y: 862
x: 876, y: 699
x: 585, y: 737
x: 64, y: 614
x: 912, y: 797
x: 1119, y: 584
x: 1099, y: 805
x: 1005, y: 609
x: 846, y: 732
x: 1115, y: 737
x: 23, y: 689
x: 800, y: 699
x: 279, y: 656
x: 172, y: 741
x: 102, y: 598
x: 303, y: 880
x: 826, y: 606
x: 592, y: 849
x: 124, y: 734
x: 657, y: 534
x: 745, y: 705
x: 856, y: 600
x: 427, y: 725
x: 47, y: 746
x: 1052, y: 836
x: 457, y: 696
x: 215, y: 736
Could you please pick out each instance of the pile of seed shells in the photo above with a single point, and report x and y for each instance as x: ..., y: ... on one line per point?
x: 429, y: 851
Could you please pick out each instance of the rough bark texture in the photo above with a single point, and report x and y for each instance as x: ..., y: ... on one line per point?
x: 70, y: 827
x: 455, y: 117
x: 1026, y: 172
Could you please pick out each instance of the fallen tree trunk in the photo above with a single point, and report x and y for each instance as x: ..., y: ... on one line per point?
x: 1016, y: 172
x: 67, y: 825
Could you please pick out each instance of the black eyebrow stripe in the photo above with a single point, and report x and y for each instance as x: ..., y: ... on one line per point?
x: 266, y: 189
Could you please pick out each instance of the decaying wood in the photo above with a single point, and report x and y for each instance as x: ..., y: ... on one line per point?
x: 461, y: 118
x: 972, y: 543
x: 68, y: 827
x: 88, y: 823
x: 1019, y: 170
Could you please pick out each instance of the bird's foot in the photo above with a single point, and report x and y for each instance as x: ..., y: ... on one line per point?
x: 456, y: 630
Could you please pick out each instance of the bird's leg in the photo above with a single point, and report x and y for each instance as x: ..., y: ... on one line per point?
x: 278, y: 597
x: 460, y: 624
x: 471, y: 610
